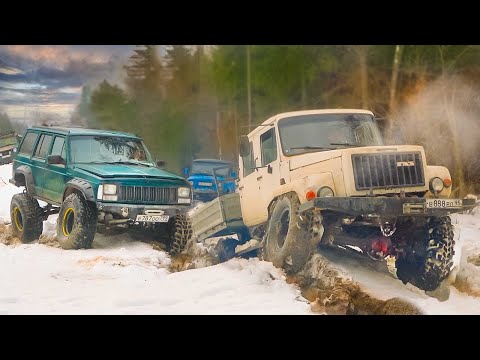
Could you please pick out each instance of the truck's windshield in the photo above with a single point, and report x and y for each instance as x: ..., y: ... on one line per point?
x: 108, y: 149
x: 320, y: 132
x: 206, y: 168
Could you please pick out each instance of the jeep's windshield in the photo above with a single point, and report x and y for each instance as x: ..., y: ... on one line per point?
x: 206, y: 168
x: 321, y: 132
x: 108, y: 149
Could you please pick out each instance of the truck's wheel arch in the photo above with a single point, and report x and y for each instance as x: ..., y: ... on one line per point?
x: 23, y: 177
x: 81, y: 186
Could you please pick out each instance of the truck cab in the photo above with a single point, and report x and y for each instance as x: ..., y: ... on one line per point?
x: 210, y: 178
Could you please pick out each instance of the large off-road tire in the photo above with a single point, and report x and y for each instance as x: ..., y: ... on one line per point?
x: 287, y: 242
x: 77, y: 223
x: 27, y: 217
x: 181, y: 235
x: 428, y: 268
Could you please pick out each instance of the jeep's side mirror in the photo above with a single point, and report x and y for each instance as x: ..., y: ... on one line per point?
x: 161, y: 163
x: 244, y: 146
x: 55, y: 160
x: 186, y: 171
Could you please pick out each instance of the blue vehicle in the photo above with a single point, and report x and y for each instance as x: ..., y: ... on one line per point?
x: 210, y: 178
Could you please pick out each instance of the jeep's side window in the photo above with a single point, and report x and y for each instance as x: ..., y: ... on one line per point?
x: 43, y: 146
x: 58, y: 147
x: 28, y: 143
x: 248, y: 162
x: 268, y: 144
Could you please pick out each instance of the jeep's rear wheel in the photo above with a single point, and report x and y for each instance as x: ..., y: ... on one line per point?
x: 429, y: 260
x: 287, y: 242
x: 77, y: 223
x: 27, y: 217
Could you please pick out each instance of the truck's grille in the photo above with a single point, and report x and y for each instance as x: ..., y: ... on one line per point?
x: 148, y: 194
x: 387, y: 170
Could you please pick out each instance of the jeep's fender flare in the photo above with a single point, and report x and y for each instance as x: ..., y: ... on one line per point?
x: 26, y: 171
x: 81, y: 185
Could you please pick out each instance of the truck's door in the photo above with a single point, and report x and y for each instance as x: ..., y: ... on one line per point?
x: 249, y: 186
x: 268, y: 173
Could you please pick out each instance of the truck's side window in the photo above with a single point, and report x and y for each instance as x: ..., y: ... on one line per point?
x: 43, y: 146
x: 268, y: 144
x: 248, y: 162
x: 28, y: 143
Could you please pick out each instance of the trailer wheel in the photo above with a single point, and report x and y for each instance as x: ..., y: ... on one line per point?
x: 287, y: 240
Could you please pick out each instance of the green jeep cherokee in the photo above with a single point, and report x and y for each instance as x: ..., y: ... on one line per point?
x: 95, y: 180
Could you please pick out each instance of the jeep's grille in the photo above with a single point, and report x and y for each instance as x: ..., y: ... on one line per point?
x: 387, y: 170
x: 148, y: 194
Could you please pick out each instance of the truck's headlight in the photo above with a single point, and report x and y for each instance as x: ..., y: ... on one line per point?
x: 436, y: 184
x: 325, y: 191
x: 109, y: 189
x: 184, y: 192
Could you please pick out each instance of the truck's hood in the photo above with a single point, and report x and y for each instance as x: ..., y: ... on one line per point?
x: 130, y: 171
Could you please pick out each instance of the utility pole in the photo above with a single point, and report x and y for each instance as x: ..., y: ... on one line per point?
x: 249, y: 91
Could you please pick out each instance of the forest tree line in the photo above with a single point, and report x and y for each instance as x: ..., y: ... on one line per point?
x: 195, y: 101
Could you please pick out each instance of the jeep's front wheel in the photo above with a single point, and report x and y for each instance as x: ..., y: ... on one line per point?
x: 287, y: 242
x: 182, y: 233
x: 27, y: 217
x: 77, y: 223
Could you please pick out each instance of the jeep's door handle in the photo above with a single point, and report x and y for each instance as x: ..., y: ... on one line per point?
x: 259, y: 178
x: 240, y: 188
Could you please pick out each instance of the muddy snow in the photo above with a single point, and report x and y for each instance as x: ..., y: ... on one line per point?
x: 122, y: 276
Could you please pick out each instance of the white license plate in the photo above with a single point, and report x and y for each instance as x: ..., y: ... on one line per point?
x: 153, y: 218
x: 204, y: 184
x: 444, y: 203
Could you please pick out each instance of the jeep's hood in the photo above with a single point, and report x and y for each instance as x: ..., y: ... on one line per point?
x: 130, y: 171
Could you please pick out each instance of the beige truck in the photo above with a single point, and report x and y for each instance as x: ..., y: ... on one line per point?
x: 326, y: 178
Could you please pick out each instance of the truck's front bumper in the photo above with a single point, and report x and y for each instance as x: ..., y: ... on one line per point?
x: 385, y: 206
x: 130, y: 211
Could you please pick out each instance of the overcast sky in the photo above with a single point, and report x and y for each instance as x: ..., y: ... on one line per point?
x: 49, y: 78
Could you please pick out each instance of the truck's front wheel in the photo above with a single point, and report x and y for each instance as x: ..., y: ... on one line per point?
x: 27, y: 217
x: 77, y: 223
x: 429, y: 261
x: 287, y: 242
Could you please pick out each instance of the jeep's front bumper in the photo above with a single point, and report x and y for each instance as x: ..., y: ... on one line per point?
x: 384, y: 206
x: 130, y: 211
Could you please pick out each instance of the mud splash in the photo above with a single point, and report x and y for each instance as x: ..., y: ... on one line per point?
x: 331, y: 292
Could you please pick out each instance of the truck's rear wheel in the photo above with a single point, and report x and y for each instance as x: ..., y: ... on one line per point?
x: 287, y: 241
x: 77, y: 223
x: 429, y: 262
x: 27, y: 217
x: 182, y: 233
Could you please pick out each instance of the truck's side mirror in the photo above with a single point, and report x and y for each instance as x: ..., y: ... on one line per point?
x: 186, y: 171
x: 244, y: 146
x: 55, y: 160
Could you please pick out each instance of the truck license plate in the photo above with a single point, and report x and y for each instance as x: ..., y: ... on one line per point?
x: 204, y: 184
x: 153, y: 218
x: 444, y: 203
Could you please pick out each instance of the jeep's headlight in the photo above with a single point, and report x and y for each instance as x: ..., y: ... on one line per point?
x: 184, y: 192
x: 107, y: 192
x: 109, y: 189
x: 436, y: 184
x: 325, y: 191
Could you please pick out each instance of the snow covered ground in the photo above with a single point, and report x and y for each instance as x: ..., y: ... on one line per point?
x: 122, y: 276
